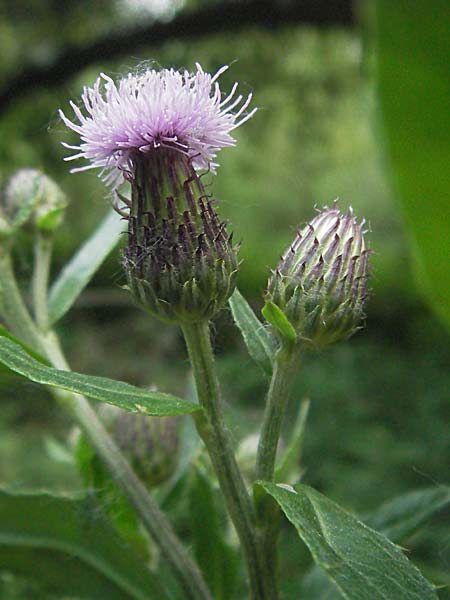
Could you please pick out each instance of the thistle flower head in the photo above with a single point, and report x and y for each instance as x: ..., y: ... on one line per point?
x: 151, y: 110
x: 180, y: 262
x: 320, y: 283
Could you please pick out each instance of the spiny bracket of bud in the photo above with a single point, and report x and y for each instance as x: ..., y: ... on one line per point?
x: 316, y: 295
x: 33, y: 199
x: 151, y: 444
x: 180, y: 263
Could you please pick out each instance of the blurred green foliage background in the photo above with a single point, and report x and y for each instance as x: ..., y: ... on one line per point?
x: 379, y: 418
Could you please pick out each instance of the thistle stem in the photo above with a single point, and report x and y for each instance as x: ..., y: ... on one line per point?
x: 213, y: 431
x: 285, y: 365
x: 17, y: 318
x: 267, y: 510
x: 13, y: 311
x: 43, y: 247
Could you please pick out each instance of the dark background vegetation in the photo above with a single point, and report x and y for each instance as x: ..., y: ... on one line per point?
x: 379, y: 417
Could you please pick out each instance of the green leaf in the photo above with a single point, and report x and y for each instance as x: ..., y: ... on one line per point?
x: 118, y: 393
x: 396, y: 519
x: 115, y: 505
x: 217, y: 560
x: 399, y: 518
x: 80, y: 269
x: 362, y: 563
x: 7, y: 334
x: 260, y: 344
x: 413, y: 41
x: 276, y: 317
x: 41, y: 533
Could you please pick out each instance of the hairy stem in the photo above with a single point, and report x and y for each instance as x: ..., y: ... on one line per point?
x: 276, y: 402
x: 43, y: 246
x: 277, y: 399
x: 13, y: 311
x: 214, y: 433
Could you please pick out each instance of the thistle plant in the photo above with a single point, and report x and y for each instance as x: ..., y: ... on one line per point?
x: 153, y: 136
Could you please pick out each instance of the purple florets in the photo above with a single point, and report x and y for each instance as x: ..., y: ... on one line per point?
x: 155, y: 109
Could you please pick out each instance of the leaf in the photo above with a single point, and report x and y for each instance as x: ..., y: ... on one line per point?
x: 40, y: 533
x: 396, y: 519
x: 118, y: 393
x: 276, y: 317
x: 362, y: 563
x: 7, y: 334
x: 399, y: 518
x: 56, y: 577
x: 79, y: 270
x: 260, y: 344
x: 217, y: 560
x: 413, y: 42
x: 116, y: 506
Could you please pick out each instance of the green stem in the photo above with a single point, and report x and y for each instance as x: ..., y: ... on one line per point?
x: 17, y: 318
x: 285, y: 365
x: 12, y: 307
x: 214, y: 433
x: 43, y: 246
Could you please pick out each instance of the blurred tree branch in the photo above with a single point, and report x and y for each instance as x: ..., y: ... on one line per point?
x: 226, y: 16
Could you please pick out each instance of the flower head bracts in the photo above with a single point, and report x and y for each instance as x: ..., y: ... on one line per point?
x: 320, y: 283
x: 155, y: 109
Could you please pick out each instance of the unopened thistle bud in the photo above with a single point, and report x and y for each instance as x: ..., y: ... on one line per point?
x: 320, y: 284
x: 151, y: 444
x: 155, y: 130
x: 32, y: 199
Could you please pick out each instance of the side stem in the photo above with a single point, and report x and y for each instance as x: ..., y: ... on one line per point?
x: 43, y: 247
x: 277, y: 399
x: 214, y: 433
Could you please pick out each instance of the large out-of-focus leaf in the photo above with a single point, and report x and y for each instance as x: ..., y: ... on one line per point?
x: 42, y: 535
x: 362, y: 563
x: 116, y: 506
x: 259, y: 342
x: 80, y: 269
x: 413, y: 40
x: 396, y: 519
x: 118, y: 393
x: 402, y: 516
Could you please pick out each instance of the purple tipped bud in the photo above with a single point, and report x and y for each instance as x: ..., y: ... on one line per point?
x: 180, y: 264
x: 320, y: 283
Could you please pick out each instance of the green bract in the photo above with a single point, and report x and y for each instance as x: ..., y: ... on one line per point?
x: 180, y: 263
x: 320, y: 284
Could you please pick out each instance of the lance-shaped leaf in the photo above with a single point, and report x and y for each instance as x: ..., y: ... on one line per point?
x: 80, y: 269
x: 360, y: 561
x: 396, y: 519
x: 260, y: 344
x: 67, y: 545
x: 114, y: 392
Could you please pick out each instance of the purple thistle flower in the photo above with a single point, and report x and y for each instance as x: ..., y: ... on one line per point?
x: 155, y: 109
